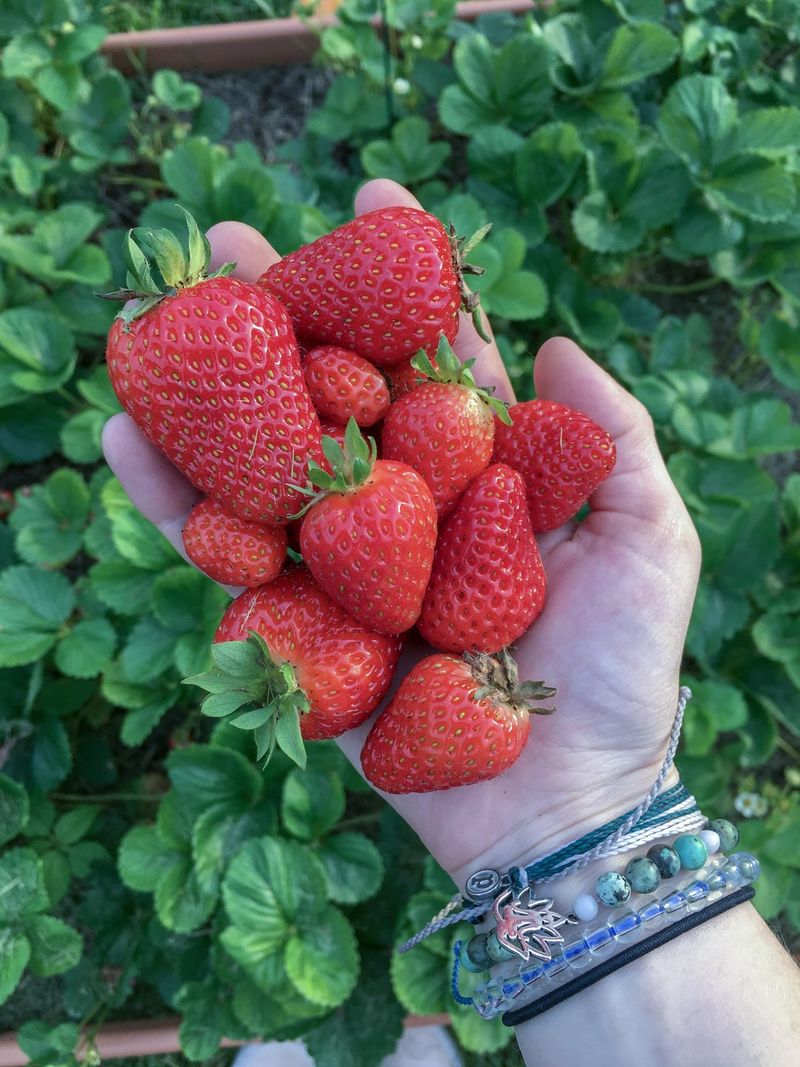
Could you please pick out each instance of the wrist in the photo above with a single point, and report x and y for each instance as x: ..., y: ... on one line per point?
x: 550, y: 829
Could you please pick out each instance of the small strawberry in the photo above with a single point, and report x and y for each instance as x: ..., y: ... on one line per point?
x: 369, y: 534
x: 487, y: 584
x: 443, y: 429
x: 404, y: 377
x: 310, y: 658
x: 232, y: 550
x: 208, y: 368
x: 343, y: 385
x: 384, y: 285
x: 452, y: 722
x: 561, y: 454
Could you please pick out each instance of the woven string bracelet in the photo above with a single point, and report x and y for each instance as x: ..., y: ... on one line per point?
x: 633, y: 952
x: 654, y: 811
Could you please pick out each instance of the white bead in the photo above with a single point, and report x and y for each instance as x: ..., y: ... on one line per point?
x: 585, y: 907
x: 710, y: 839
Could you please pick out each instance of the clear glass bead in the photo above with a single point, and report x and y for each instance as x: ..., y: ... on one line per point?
x: 556, y: 969
x: 627, y: 927
x: 532, y: 975
x: 732, y: 873
x: 749, y: 867
x: 513, y: 987
x: 696, y: 893
x: 599, y: 939
x: 652, y: 914
x: 717, y: 882
x: 578, y: 955
x: 674, y: 904
x: 488, y: 999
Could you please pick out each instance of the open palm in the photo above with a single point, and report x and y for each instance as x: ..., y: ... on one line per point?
x: 620, y: 591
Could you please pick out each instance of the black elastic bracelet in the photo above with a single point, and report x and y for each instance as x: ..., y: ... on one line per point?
x: 633, y: 952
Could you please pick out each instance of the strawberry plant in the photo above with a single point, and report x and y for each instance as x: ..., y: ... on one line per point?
x: 637, y: 163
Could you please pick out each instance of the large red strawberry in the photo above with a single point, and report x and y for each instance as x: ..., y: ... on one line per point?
x: 233, y: 550
x: 488, y: 583
x: 384, y: 285
x: 369, y: 537
x: 562, y: 455
x: 208, y: 368
x: 342, y: 667
x: 343, y: 385
x: 443, y: 429
x: 451, y: 722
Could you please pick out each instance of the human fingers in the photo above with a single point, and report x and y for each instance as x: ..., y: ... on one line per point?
x: 236, y: 242
x: 156, y: 487
x: 639, y: 487
x: 489, y: 370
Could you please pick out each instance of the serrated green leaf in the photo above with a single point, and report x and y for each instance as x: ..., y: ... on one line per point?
x: 202, y: 776
x: 14, y: 808
x: 33, y: 605
x: 15, y: 951
x: 481, y: 1036
x: 122, y: 586
x: 143, y: 858
x: 270, y: 883
x: 22, y: 889
x: 322, y: 958
x: 421, y: 981
x: 754, y: 187
x: 201, y: 1028
x: 698, y: 120
x: 50, y: 520
x: 42, y: 1041
x: 85, y: 650
x: 42, y: 350
x: 55, y: 946
x: 353, y: 867
x: 768, y: 130
x: 636, y: 51
x: 313, y: 802
x: 547, y: 163
x: 173, y: 92
x: 220, y: 831
x: 75, y: 824
x: 149, y: 650
x: 181, y: 905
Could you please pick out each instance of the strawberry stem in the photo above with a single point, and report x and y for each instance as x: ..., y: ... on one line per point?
x: 461, y: 248
x: 176, y: 267
x: 498, y: 679
x: 451, y: 371
x: 252, y: 690
x: 350, y: 466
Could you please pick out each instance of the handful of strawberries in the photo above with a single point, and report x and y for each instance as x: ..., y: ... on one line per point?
x: 259, y: 394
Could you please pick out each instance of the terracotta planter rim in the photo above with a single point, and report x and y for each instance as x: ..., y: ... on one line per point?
x: 153, y: 1037
x: 244, y: 45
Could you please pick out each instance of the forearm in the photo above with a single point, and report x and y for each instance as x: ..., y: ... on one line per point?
x: 725, y: 993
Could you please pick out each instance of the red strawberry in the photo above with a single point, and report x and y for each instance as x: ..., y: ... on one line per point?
x: 488, y: 583
x: 334, y: 430
x: 451, y: 722
x: 343, y: 668
x: 444, y: 429
x: 403, y: 377
x: 343, y: 385
x: 232, y: 550
x: 369, y: 537
x: 208, y: 369
x: 562, y: 455
x: 384, y: 285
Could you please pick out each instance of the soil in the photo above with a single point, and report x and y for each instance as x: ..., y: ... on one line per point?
x: 270, y: 106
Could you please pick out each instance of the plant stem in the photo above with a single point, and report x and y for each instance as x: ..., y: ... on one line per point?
x: 691, y: 287
x: 132, y: 179
x: 790, y: 750
x: 101, y: 798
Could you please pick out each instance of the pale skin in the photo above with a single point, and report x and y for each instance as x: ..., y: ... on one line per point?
x: 620, y: 592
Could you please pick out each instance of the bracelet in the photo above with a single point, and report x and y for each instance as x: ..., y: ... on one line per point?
x: 633, y: 952
x: 722, y: 876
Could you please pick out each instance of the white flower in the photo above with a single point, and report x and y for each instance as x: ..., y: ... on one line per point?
x: 751, y: 805
x: 401, y: 86
x: 415, y: 40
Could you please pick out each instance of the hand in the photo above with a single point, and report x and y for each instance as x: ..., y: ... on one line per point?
x: 620, y: 591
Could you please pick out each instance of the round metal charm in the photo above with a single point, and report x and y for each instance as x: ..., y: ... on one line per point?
x: 482, y: 885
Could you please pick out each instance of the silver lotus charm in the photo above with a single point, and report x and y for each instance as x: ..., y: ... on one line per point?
x: 526, y: 926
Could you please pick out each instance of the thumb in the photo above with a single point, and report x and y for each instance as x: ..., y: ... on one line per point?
x: 639, y: 487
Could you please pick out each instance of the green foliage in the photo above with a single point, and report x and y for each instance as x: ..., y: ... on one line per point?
x: 637, y: 162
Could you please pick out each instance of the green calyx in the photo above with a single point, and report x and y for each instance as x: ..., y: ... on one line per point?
x: 159, y: 266
x: 251, y: 690
x: 449, y: 370
x: 461, y: 248
x: 498, y: 679
x: 350, y: 466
